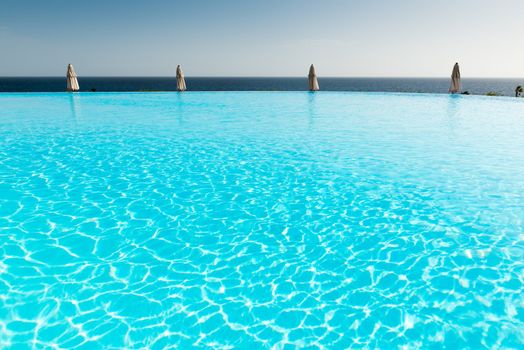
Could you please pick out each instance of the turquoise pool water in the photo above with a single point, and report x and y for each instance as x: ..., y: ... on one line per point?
x: 261, y: 220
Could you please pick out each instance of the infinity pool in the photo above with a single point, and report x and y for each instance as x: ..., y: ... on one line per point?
x: 261, y: 220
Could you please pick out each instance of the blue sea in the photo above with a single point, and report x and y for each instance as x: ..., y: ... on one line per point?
x: 424, y: 85
x: 261, y: 220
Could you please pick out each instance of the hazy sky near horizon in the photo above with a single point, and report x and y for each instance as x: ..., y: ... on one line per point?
x: 381, y: 38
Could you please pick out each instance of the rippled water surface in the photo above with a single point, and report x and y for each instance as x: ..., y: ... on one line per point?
x: 261, y: 220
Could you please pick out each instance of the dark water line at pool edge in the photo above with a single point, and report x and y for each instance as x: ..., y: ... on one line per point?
x: 478, y: 86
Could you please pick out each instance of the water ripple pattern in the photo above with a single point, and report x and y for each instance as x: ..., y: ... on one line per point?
x: 259, y: 220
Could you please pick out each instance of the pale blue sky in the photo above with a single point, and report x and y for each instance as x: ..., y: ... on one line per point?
x: 412, y: 38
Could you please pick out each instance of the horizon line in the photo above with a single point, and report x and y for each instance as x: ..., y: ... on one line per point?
x: 256, y: 76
